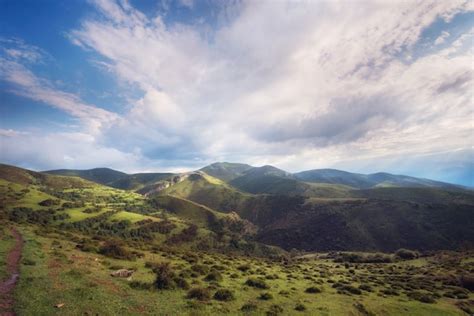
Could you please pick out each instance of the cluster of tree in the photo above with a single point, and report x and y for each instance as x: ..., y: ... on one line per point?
x: 186, y: 235
x: 49, y: 202
x: 147, y: 228
x: 28, y: 215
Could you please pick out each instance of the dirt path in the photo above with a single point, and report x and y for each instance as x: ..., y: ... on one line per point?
x: 13, y: 268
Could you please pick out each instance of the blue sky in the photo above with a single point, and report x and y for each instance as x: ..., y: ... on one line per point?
x: 364, y: 86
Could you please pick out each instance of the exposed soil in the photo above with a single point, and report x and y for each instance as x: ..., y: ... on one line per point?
x: 13, y: 268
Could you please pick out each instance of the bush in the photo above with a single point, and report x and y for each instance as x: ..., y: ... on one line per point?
x: 406, y: 254
x: 275, y: 310
x: 265, y: 296
x: 346, y: 288
x: 113, y: 249
x: 422, y: 297
x: 201, y: 269
x: 300, y: 308
x: 391, y: 292
x: 199, y: 293
x: 181, y: 283
x: 257, y: 283
x: 365, y: 287
x: 213, y: 276
x: 164, y: 276
x: 467, y: 282
x: 243, y: 267
x: 49, y: 202
x: 313, y: 289
x: 224, y: 295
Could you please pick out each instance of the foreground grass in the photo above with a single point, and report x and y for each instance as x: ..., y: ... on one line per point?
x: 55, y: 272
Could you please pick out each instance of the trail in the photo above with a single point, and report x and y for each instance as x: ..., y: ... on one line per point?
x: 13, y: 268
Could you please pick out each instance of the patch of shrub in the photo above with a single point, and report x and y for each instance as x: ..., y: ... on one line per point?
x: 49, y: 202
x: 467, y: 282
x: 257, y: 283
x: 346, y: 288
x: 365, y: 287
x: 186, y: 235
x: 115, y: 250
x: 422, y: 297
x: 313, y: 289
x: 200, y: 268
x: 300, y: 308
x: 249, y: 307
x: 390, y: 292
x: 181, y: 282
x: 406, y: 254
x: 199, y: 293
x: 274, y: 310
x: 243, y: 267
x: 213, y: 276
x: 164, y: 276
x: 265, y: 296
x: 224, y: 295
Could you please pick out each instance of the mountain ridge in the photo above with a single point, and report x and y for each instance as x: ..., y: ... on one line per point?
x: 229, y: 172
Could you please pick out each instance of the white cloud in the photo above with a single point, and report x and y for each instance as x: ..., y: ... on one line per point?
x: 283, y: 79
x: 297, y: 84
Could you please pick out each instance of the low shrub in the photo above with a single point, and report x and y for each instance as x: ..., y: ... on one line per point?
x: 422, y: 297
x: 224, y: 295
x: 115, y: 250
x: 199, y: 293
x: 274, y: 310
x: 365, y: 287
x: 164, y: 276
x: 265, y: 296
x: 257, y: 283
x: 406, y: 254
x: 249, y: 307
x: 213, y: 276
x: 313, y: 289
x: 201, y: 269
x: 181, y: 282
x: 300, y: 308
x: 243, y: 267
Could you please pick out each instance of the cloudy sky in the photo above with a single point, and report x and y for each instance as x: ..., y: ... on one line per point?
x: 359, y: 85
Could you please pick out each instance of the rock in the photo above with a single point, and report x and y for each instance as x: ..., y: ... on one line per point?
x: 122, y: 273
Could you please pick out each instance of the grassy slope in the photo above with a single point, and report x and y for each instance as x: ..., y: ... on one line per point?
x: 81, y: 281
x: 209, y: 191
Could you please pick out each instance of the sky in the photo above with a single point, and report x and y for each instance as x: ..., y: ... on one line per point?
x: 360, y: 85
